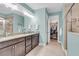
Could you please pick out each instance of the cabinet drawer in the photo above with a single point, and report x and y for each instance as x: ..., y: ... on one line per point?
x: 35, y: 39
x: 34, y: 45
x: 28, y: 37
x: 28, y: 49
x: 17, y: 40
x: 35, y: 35
x: 10, y: 42
x: 34, y: 42
x: 28, y: 42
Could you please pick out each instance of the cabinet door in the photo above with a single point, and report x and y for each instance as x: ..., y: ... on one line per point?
x: 6, y: 51
x: 28, y: 44
x: 35, y: 40
x: 20, y: 49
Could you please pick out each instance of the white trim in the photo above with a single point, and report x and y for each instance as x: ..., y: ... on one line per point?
x: 40, y: 44
x: 59, y: 41
x: 65, y: 51
x: 48, y: 33
x: 58, y: 31
x: 44, y: 44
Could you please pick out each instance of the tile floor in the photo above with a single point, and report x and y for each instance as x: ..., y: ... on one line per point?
x: 52, y: 49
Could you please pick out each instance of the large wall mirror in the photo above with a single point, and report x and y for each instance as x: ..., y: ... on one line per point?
x: 11, y: 19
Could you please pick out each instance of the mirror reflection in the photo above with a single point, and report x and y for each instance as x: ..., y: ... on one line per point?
x: 11, y: 19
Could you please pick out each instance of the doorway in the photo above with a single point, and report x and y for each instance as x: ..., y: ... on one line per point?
x: 53, y: 28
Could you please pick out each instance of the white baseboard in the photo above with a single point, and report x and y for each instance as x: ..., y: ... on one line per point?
x: 64, y: 50
x: 41, y: 44
x: 59, y: 41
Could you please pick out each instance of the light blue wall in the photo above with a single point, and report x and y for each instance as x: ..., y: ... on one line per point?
x: 40, y: 18
x: 46, y: 26
x: 2, y: 15
x: 61, y: 24
x: 61, y: 21
x: 18, y: 23
x: 27, y: 21
x: 42, y: 21
x: 73, y: 44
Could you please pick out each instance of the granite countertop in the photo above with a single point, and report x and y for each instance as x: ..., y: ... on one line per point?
x: 11, y: 37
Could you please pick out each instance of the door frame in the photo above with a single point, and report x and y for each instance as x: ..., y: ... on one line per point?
x: 58, y: 29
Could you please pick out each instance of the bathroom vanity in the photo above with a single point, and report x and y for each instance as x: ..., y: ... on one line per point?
x: 14, y: 39
x: 18, y: 45
x: 17, y: 38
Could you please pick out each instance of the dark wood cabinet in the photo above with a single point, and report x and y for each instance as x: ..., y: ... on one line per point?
x: 35, y: 40
x: 19, y: 46
x: 13, y: 48
x: 20, y: 49
x: 28, y: 44
x: 6, y: 51
x: 28, y: 49
x: 28, y: 41
x: 31, y: 42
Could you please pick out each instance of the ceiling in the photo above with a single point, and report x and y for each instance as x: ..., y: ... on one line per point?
x: 51, y: 7
x: 6, y: 10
